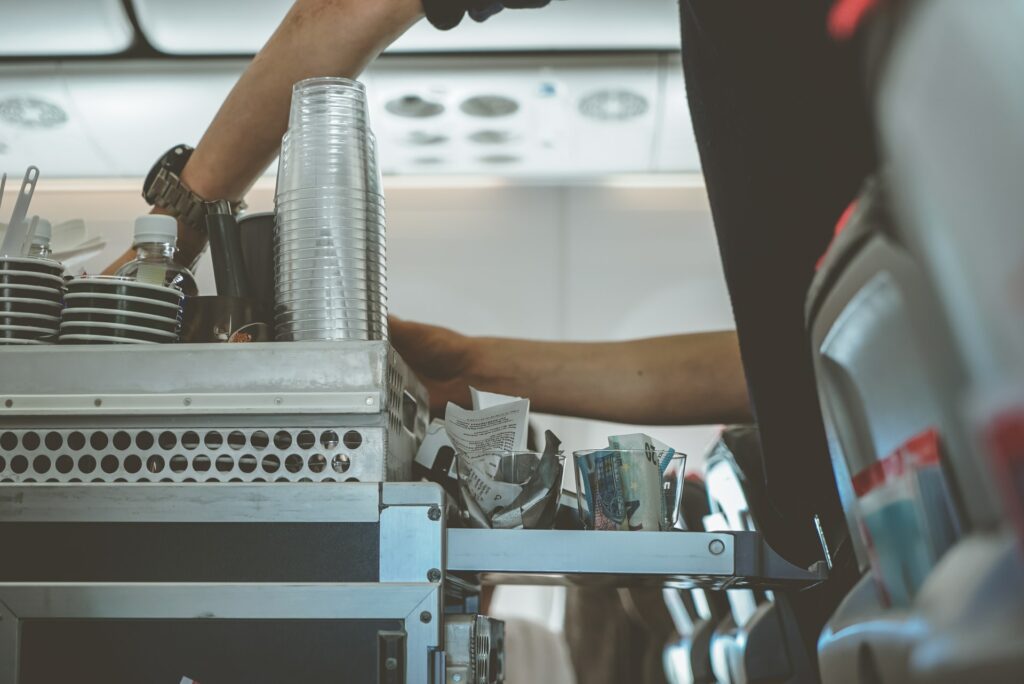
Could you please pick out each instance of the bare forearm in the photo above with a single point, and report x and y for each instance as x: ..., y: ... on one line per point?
x: 316, y: 38
x: 680, y: 380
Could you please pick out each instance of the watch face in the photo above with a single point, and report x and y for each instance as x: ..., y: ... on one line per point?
x: 173, y: 160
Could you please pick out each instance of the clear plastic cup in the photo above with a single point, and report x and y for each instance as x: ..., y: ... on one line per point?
x: 292, y: 272
x: 307, y: 319
x: 332, y: 303
x: 329, y: 240
x: 629, y: 490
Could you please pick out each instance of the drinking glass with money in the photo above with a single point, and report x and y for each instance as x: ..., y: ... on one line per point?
x: 629, y: 489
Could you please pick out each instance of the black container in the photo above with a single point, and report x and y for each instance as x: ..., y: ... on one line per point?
x: 226, y: 319
x: 257, y: 235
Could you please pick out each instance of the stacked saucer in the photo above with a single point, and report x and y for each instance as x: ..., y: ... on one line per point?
x: 30, y: 300
x: 112, y: 310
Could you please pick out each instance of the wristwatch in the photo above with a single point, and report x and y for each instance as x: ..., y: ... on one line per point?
x: 164, y: 189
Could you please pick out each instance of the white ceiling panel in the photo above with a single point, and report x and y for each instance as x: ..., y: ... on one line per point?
x: 138, y: 110
x: 675, y: 147
x: 516, y: 117
x: 40, y: 126
x: 64, y: 27
x: 546, y: 135
x: 190, y: 27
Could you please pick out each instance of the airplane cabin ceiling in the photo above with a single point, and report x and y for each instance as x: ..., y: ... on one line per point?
x: 60, y: 28
x: 186, y: 27
x: 65, y: 27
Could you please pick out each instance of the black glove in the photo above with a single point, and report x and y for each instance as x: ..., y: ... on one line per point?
x: 446, y: 14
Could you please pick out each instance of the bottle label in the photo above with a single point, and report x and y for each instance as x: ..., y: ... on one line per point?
x: 153, y: 274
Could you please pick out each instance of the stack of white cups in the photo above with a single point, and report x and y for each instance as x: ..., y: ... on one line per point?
x: 329, y: 242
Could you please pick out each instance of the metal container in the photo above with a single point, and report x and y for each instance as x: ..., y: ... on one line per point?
x: 318, y: 412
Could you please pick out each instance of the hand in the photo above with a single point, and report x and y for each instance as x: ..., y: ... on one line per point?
x: 446, y: 14
x: 441, y: 358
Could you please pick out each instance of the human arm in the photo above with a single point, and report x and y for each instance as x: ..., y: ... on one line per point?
x: 316, y: 38
x: 690, y: 379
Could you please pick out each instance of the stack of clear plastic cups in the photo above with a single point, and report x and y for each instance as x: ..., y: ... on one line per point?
x: 330, y: 255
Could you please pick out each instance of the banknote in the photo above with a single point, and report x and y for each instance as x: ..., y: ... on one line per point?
x: 644, y: 462
x: 601, y: 473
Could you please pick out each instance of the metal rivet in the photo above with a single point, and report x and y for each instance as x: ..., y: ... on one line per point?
x: 716, y: 547
x: 434, y: 513
x: 369, y: 401
x: 278, y: 401
x: 9, y: 403
x: 97, y: 402
x: 391, y: 664
x: 426, y: 617
x: 434, y: 575
x: 187, y: 402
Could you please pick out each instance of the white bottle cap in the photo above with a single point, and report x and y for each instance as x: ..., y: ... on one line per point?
x: 44, y: 231
x: 156, y: 228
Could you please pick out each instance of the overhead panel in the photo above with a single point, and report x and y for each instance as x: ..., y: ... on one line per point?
x: 138, y: 110
x: 53, y: 28
x: 201, y: 27
x: 675, y: 147
x: 527, y: 117
x: 516, y: 117
x: 39, y: 125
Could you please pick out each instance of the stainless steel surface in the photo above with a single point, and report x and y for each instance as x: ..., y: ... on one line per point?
x: 404, y: 590
x: 318, y: 411
x: 474, y: 649
x: 190, y: 503
x: 411, y: 544
x: 218, y: 319
x: 9, y: 631
x: 678, y: 559
x: 405, y: 602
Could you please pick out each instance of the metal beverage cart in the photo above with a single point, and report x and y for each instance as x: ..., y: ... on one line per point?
x: 245, y: 513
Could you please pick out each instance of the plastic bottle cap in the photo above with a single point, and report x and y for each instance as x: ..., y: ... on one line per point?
x: 44, y: 231
x: 156, y: 228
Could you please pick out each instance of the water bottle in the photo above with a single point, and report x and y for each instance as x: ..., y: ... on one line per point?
x: 155, y: 240
x: 40, y: 246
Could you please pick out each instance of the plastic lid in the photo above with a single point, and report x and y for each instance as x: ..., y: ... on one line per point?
x: 156, y: 228
x: 44, y: 231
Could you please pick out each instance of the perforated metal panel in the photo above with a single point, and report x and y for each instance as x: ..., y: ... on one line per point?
x: 297, y: 412
x: 193, y: 455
